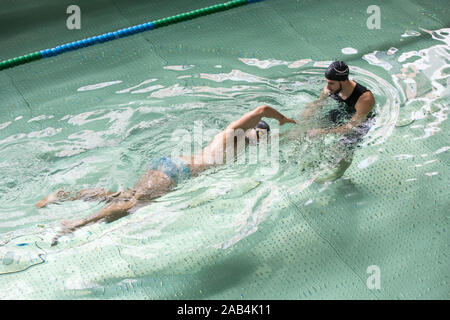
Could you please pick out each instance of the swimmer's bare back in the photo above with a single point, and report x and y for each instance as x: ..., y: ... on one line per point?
x: 153, y: 183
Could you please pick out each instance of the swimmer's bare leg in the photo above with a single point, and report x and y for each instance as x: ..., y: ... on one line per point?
x: 151, y: 185
x: 336, y: 173
x: 85, y: 194
x: 111, y: 212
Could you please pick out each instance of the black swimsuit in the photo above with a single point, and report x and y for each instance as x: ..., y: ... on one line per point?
x: 347, y: 108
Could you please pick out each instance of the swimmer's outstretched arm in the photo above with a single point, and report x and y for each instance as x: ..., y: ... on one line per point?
x: 251, y: 119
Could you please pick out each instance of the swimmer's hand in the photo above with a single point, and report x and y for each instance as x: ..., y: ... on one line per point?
x: 316, y: 132
x: 285, y: 120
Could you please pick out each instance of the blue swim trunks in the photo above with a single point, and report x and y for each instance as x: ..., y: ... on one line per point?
x: 173, y: 168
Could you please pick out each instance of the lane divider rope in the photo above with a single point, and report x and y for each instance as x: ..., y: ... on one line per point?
x: 47, y: 53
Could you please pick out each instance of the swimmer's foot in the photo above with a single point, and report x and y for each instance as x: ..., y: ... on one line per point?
x: 67, y: 227
x: 52, y: 198
x: 329, y: 177
x: 334, y: 174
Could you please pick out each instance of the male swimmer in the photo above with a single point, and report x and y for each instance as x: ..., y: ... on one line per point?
x: 165, y: 173
x: 354, y: 109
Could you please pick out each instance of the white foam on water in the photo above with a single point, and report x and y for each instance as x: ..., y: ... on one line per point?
x: 349, y: 50
x: 367, y: 162
x: 98, y: 85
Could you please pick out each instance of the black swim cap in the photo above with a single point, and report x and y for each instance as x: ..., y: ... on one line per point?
x: 337, y: 71
x: 263, y: 125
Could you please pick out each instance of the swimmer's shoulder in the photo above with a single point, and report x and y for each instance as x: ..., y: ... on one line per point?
x: 365, y: 103
x: 367, y: 97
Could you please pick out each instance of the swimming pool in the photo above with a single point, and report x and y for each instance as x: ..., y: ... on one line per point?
x: 95, y: 117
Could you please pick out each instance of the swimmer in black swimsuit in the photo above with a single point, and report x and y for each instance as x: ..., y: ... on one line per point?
x: 355, y: 108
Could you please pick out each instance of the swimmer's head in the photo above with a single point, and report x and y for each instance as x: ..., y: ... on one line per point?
x: 260, y: 132
x: 336, y: 72
x: 262, y: 128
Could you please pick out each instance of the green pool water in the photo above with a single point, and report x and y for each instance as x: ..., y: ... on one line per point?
x: 97, y: 116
